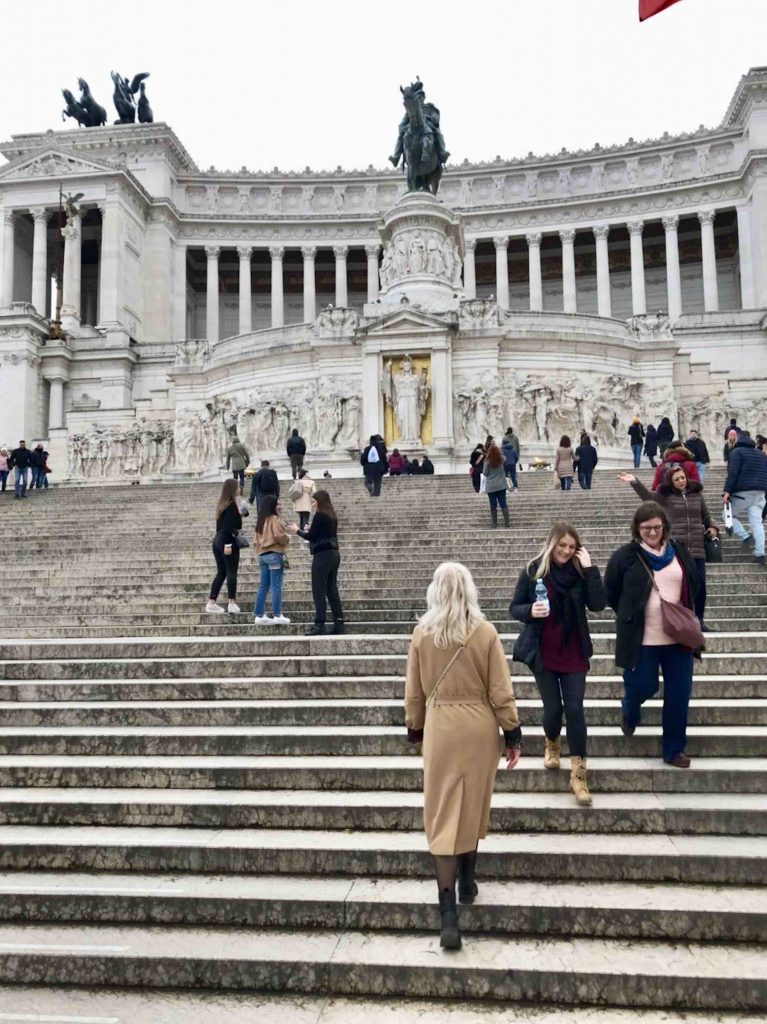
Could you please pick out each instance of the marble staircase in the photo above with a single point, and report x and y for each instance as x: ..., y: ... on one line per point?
x: 200, y: 820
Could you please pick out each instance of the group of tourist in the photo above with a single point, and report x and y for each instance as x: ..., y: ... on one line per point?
x: 377, y: 462
x: 29, y: 467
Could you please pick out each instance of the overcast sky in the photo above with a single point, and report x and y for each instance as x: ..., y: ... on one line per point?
x: 297, y: 82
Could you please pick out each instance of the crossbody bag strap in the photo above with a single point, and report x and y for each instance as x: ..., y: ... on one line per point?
x: 432, y: 696
x: 649, y: 572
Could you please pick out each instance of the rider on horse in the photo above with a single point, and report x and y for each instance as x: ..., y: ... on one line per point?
x: 432, y: 129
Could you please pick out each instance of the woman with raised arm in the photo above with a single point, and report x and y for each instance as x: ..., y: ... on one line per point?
x: 458, y: 695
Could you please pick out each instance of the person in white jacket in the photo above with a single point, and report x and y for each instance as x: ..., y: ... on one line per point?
x: 301, y: 492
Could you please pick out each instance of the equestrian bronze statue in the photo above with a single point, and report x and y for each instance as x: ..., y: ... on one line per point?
x: 420, y: 142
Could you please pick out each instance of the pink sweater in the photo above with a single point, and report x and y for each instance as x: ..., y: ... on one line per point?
x: 669, y: 582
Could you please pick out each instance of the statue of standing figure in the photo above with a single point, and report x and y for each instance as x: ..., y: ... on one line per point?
x: 405, y: 391
x: 124, y: 103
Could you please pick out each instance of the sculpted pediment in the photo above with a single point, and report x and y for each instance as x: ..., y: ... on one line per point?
x: 52, y: 163
x: 408, y: 320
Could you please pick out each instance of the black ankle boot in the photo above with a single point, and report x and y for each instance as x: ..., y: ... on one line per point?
x: 467, y: 887
x: 450, y: 937
x: 338, y: 628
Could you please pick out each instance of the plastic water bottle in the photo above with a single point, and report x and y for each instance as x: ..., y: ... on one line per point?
x: 542, y: 595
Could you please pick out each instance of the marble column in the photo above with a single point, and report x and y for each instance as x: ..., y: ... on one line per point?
x: 40, y: 259
x: 342, y: 291
x: 502, y: 270
x: 56, y: 403
x: 372, y: 251
x: 534, y: 265
x: 441, y: 428
x: 72, y: 234
x: 638, y: 297
x: 604, y: 295
x: 211, y: 295
x: 710, y: 283
x: 309, y: 252
x: 673, y: 272
x: 245, y: 323
x: 9, y: 254
x: 278, y: 299
x: 569, y: 296
x: 110, y: 264
x: 470, y: 270
x: 746, y: 259
x: 179, y: 291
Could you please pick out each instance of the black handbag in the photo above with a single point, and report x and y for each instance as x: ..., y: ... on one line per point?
x: 241, y: 541
x: 713, y: 550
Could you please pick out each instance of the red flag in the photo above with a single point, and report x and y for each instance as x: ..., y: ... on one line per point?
x: 647, y: 8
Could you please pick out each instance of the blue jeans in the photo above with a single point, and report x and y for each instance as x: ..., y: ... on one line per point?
x: 701, y: 468
x: 637, y: 450
x: 584, y: 478
x: 566, y: 483
x: 22, y: 474
x: 641, y: 683
x: 750, y: 504
x: 510, y: 469
x: 3, y: 477
x: 39, y: 478
x: 497, y: 499
x: 272, y: 572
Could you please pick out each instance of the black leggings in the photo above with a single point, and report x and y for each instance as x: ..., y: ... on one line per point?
x: 325, y: 585
x: 303, y: 520
x: 562, y: 693
x: 227, y: 566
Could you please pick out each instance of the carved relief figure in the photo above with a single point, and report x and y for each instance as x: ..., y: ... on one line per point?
x: 417, y: 254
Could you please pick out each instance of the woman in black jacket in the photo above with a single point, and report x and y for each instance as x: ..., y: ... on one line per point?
x: 651, y: 444
x: 476, y: 459
x: 551, y: 598
x: 225, y: 550
x: 642, y: 648
x: 586, y: 458
x: 664, y: 434
x: 323, y: 545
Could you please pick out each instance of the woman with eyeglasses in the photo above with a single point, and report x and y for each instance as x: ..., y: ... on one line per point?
x: 638, y: 575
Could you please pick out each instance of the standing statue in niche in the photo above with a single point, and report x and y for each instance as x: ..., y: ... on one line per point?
x: 123, y: 97
x: 420, y: 141
x: 404, y: 392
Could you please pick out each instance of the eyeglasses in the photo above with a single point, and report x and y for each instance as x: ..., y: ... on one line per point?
x: 651, y: 529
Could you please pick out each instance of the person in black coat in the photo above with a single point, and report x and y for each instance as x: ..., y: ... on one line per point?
x: 375, y: 464
x: 427, y: 466
x: 697, y: 446
x: 651, y: 444
x: 39, y: 463
x: 225, y: 549
x: 664, y: 434
x: 476, y: 460
x: 265, y: 481
x: 642, y: 649
x: 322, y: 536
x: 586, y: 459
x: 20, y: 461
x: 636, y: 433
x: 555, y: 641
x: 296, y: 449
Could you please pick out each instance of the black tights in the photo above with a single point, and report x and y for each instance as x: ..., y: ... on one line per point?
x: 562, y: 695
x: 447, y: 868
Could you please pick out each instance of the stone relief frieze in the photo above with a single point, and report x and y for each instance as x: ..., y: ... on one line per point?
x: 474, y: 314
x: 111, y: 453
x: 336, y: 320
x: 421, y: 251
x: 194, y: 352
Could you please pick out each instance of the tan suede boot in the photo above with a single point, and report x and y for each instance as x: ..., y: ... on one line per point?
x: 578, y: 783
x: 551, y: 754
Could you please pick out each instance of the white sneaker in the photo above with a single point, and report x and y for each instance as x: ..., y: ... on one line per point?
x: 214, y: 608
x: 232, y: 608
x: 281, y: 620
x: 262, y: 620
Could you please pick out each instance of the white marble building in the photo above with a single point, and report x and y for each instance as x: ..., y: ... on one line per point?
x: 553, y: 293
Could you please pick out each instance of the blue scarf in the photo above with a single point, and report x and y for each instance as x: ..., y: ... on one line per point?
x: 658, y: 562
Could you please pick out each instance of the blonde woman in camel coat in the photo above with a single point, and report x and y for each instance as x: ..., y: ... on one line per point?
x: 458, y: 695
x: 302, y: 491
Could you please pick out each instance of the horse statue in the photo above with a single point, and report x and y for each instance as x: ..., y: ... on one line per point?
x: 75, y: 110
x: 123, y: 95
x: 420, y: 141
x: 97, y: 113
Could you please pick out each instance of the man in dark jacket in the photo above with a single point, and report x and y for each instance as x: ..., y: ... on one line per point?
x: 733, y: 426
x: 374, y: 464
x: 697, y: 446
x: 427, y: 466
x: 586, y: 458
x: 745, y: 490
x: 264, y: 482
x: 20, y: 461
x: 296, y: 452
x: 38, y: 464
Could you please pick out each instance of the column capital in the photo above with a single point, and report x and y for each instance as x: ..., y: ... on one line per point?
x: 9, y: 216
x: 308, y: 251
x: 534, y: 238
x: 601, y: 231
x: 39, y: 213
x: 635, y: 227
x: 212, y: 251
x: 501, y: 242
x: 670, y: 223
x: 706, y: 216
x: 372, y: 251
x: 470, y: 244
x: 276, y: 252
x: 567, y: 236
x: 341, y: 251
x: 245, y: 252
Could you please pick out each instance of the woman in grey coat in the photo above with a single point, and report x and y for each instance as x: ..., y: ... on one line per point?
x: 495, y: 477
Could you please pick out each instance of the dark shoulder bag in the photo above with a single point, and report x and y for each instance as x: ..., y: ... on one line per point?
x: 680, y: 623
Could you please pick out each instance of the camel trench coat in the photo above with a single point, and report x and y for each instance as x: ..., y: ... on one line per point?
x: 301, y: 492
x: 461, y: 743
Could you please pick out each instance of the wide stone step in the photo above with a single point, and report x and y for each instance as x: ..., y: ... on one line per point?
x: 582, y: 971
x: 633, y: 813
x: 398, y: 773
x: 604, y: 741
x: 594, y: 909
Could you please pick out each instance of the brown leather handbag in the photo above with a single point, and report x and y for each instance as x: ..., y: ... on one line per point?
x: 680, y: 623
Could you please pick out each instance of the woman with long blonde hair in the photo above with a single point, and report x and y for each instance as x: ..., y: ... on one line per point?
x: 551, y: 598
x: 457, y: 694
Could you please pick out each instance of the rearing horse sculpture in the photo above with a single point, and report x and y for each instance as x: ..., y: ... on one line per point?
x: 422, y: 162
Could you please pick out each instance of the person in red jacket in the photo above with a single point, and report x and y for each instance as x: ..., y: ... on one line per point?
x: 396, y: 463
x: 676, y: 453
